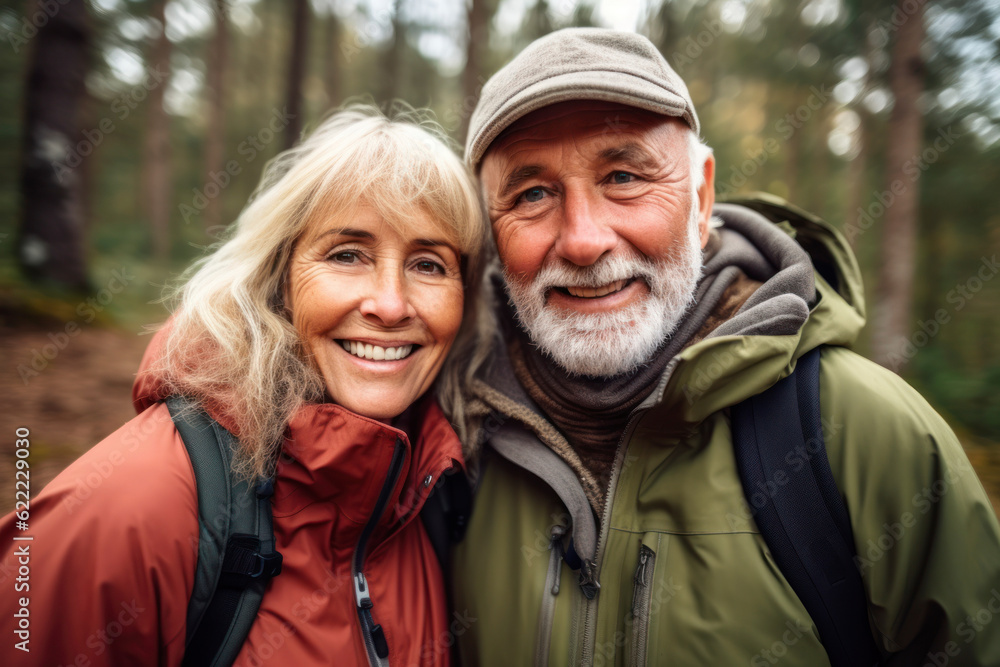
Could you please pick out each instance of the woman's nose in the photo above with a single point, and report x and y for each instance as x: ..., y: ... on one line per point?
x: 388, y: 299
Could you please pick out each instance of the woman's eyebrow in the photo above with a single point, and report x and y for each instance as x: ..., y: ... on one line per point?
x: 353, y: 233
x: 430, y: 243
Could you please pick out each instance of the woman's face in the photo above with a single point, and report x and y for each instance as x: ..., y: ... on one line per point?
x: 377, y: 310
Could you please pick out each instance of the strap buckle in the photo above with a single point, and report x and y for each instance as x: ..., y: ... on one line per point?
x: 269, y: 565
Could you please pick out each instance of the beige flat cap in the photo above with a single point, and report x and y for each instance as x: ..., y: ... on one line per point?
x: 577, y: 64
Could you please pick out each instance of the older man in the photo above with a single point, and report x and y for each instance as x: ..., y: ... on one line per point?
x: 610, y: 524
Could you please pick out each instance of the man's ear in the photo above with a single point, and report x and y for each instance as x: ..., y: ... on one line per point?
x: 706, y: 200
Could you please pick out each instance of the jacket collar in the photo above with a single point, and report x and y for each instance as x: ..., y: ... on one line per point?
x: 334, y: 464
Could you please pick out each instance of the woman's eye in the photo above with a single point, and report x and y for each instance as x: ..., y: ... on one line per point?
x: 427, y: 266
x: 345, y: 257
x: 622, y: 177
x: 533, y: 195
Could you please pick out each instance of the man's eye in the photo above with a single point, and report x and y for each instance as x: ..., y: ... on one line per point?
x: 622, y: 177
x: 533, y: 195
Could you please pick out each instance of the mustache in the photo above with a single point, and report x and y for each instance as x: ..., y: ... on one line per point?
x: 560, y: 273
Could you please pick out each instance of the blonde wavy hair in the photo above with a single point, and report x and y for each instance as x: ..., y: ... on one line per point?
x: 231, y: 343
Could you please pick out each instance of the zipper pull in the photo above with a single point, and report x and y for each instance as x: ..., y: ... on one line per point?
x: 374, y: 630
x: 361, y: 596
x: 556, y: 547
x: 588, y: 579
x: 640, y: 573
x: 381, y: 645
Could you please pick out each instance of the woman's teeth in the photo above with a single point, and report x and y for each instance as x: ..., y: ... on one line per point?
x: 592, y: 292
x: 369, y: 351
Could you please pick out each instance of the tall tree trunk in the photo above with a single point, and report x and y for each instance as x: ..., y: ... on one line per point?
x: 820, y: 168
x: 857, y: 186
x: 891, y: 320
x: 393, y: 60
x: 478, y: 19
x: 331, y: 60
x: 297, y: 70
x: 216, y: 137
x: 157, y: 184
x: 792, y: 155
x: 50, y: 238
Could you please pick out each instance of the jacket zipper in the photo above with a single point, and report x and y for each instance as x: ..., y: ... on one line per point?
x: 549, y: 596
x: 641, y: 598
x: 374, y: 636
x: 592, y: 573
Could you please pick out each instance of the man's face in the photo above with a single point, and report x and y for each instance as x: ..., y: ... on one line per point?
x: 599, y: 230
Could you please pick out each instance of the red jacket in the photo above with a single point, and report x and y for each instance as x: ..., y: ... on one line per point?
x: 116, y: 541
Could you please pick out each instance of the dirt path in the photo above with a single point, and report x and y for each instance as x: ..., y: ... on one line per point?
x: 77, y: 398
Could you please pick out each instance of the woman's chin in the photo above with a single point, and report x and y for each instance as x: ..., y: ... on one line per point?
x: 380, y: 405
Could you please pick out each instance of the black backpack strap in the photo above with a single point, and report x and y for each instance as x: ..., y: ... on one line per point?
x: 445, y: 516
x: 236, y: 554
x: 800, y: 513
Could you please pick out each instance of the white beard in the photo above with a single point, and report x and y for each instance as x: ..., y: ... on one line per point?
x: 620, y: 341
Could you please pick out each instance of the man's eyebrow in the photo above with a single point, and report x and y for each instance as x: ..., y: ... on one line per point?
x: 630, y: 153
x: 519, y: 176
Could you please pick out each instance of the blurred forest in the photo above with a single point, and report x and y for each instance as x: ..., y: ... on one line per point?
x: 133, y: 131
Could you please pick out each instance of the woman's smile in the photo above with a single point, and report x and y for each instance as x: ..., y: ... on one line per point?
x: 393, y: 351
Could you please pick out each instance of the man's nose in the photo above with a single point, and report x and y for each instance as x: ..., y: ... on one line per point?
x: 584, y: 233
x: 388, y: 300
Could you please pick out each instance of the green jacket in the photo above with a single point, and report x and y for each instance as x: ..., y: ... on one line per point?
x: 684, y: 577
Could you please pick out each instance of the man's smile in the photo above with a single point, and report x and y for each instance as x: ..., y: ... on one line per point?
x: 594, y: 292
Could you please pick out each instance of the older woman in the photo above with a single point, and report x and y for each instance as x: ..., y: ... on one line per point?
x: 313, y: 335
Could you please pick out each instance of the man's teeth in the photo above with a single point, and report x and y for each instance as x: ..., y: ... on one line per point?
x: 592, y: 292
x: 369, y: 351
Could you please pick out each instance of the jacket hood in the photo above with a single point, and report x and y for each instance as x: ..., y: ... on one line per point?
x: 761, y: 343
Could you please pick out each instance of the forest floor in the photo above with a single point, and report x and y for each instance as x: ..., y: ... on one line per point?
x: 83, y: 394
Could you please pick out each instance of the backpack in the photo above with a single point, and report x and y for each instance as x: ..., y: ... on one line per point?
x: 236, y: 554
x: 804, y: 520
x: 800, y: 513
